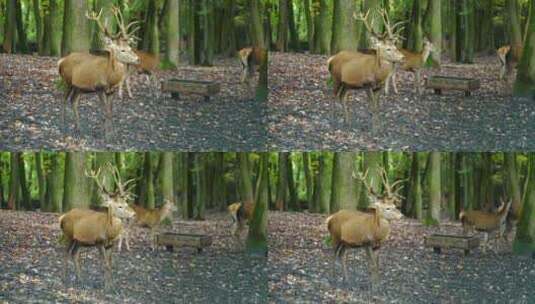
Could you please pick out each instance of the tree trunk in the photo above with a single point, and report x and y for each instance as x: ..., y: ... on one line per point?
x: 514, y: 27
x: 151, y: 40
x: 525, y: 235
x: 147, y: 191
x: 308, y: 179
x: 525, y: 80
x: 294, y: 38
x: 416, y: 187
x: 415, y: 27
x: 246, y: 184
x: 256, y: 23
x: 41, y: 179
x: 435, y: 33
x: 257, y: 237
x: 55, y: 184
x: 52, y: 29
x: 323, y: 29
x: 10, y: 29
x: 172, y: 37
x: 13, y: 200
x: 208, y: 33
x: 322, y: 185
x: 282, y: 184
x: 310, y: 25
x: 513, y: 183
x: 75, y: 27
x: 465, y: 31
x: 200, y: 186
x: 435, y: 195
x: 76, y: 192
x: 282, y: 29
x: 343, y: 186
x: 344, y: 29
x: 165, y: 177
x: 38, y: 26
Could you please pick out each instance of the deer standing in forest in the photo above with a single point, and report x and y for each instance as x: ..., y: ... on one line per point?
x: 241, y: 214
x: 486, y: 222
x: 365, y: 229
x: 148, y: 63
x: 356, y: 70
x: 148, y: 218
x: 250, y: 59
x: 508, y: 59
x: 90, y: 228
x: 414, y: 62
x: 88, y: 73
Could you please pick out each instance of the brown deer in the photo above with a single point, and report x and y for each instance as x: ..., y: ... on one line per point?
x: 250, y: 59
x: 241, y: 214
x: 486, y: 222
x: 148, y: 218
x: 355, y: 70
x: 414, y: 62
x: 90, y: 228
x: 148, y: 63
x: 87, y: 73
x: 365, y: 229
x: 508, y: 59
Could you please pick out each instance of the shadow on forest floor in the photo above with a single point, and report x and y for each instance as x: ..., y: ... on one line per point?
x: 31, y: 262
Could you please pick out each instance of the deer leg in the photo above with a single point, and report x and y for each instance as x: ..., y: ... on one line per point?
x: 66, y: 257
x: 75, y: 101
x: 153, y: 238
x: 372, y: 264
x: 418, y: 82
x: 485, y: 241
x: 155, y: 84
x: 128, y: 88
x: 66, y: 99
x: 394, y: 81
x: 127, y: 239
x: 107, y: 267
x: 75, y: 253
x: 107, y: 106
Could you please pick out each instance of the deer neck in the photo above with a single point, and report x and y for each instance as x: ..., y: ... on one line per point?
x: 425, y: 54
x: 115, y: 69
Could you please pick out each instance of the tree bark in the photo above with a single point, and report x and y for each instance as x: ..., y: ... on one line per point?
x: 344, y: 29
x: 75, y: 27
x: 257, y: 237
x: 435, y: 195
x: 76, y: 192
x: 172, y: 37
x: 343, y: 186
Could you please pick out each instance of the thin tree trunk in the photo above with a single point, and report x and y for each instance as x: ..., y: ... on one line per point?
x: 76, y: 192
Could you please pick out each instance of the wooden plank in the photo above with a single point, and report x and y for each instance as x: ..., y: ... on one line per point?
x: 452, y: 241
x: 184, y: 240
x: 205, y: 88
x: 452, y: 83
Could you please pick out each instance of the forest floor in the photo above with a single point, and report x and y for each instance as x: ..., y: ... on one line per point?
x: 31, y: 263
x: 300, y: 268
x: 31, y: 103
x: 301, y: 116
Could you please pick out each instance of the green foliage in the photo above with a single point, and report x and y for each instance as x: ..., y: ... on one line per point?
x: 428, y: 221
x: 167, y: 65
x: 327, y: 240
x: 60, y: 84
x: 167, y: 222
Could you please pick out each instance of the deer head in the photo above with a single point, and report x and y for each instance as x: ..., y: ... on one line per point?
x: 116, y: 201
x: 384, y: 43
x: 116, y: 44
x: 388, y: 202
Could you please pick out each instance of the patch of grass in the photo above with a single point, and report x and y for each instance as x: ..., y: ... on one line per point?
x: 167, y: 222
x: 167, y: 65
x: 59, y: 84
x: 327, y: 240
x: 330, y: 82
x: 430, y: 222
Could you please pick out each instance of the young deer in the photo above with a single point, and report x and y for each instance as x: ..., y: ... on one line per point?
x: 486, y: 222
x: 355, y: 70
x: 89, y: 228
x: 241, y: 214
x: 250, y: 58
x: 148, y: 63
x: 508, y: 59
x: 149, y: 218
x: 414, y: 62
x: 87, y: 73
x: 365, y: 229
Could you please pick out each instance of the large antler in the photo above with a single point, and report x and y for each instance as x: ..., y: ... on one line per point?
x: 393, y: 32
x: 126, y: 31
x: 95, y: 175
x: 369, y: 26
x: 97, y: 18
x: 391, y: 191
x: 121, y: 187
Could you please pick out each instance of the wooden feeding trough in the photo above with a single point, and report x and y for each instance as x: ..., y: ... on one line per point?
x: 439, y: 241
x: 181, y: 86
x: 171, y: 240
x: 440, y: 83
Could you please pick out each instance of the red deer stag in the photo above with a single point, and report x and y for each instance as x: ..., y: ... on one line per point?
x: 87, y: 73
x: 356, y: 70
